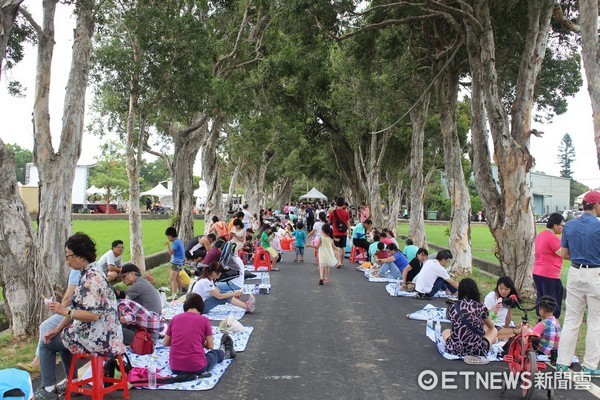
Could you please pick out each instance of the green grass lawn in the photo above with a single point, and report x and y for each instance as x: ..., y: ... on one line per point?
x: 105, y: 231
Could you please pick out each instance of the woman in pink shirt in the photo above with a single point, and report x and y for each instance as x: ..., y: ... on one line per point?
x: 548, y: 262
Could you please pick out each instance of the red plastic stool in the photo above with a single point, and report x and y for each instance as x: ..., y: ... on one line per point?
x: 357, y: 254
x: 97, y: 391
x: 287, y: 244
x: 242, y: 254
x: 262, y: 258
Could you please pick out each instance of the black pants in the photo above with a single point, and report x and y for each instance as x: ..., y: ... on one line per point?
x: 549, y: 287
x: 362, y: 243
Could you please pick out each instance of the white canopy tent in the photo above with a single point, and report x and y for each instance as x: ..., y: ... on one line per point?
x: 164, y: 194
x: 94, y: 190
x: 313, y: 194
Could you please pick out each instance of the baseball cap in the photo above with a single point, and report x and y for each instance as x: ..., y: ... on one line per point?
x: 129, y: 268
x: 592, y: 197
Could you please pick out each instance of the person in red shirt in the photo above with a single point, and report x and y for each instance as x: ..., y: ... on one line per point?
x: 340, y: 221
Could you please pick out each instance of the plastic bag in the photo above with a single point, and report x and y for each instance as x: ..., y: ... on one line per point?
x: 231, y: 325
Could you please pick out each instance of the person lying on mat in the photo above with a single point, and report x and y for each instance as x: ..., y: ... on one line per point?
x: 188, y: 335
x: 473, y: 330
x: 212, y: 296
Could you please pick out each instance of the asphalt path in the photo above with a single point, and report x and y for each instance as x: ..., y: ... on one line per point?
x: 345, y: 340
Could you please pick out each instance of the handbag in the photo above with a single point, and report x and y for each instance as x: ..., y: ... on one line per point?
x: 341, y: 226
x: 142, y: 342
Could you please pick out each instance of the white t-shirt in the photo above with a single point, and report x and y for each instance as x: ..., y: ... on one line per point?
x: 490, y: 301
x: 203, y: 287
x: 247, y: 217
x: 432, y: 269
x: 318, y: 228
x: 108, y: 259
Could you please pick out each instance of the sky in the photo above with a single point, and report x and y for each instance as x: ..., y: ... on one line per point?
x: 16, y: 125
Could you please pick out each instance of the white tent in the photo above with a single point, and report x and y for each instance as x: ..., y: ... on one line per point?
x: 94, y: 190
x: 313, y: 194
x: 158, y: 191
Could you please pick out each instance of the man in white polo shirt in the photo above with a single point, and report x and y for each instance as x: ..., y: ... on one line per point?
x: 110, y: 262
x: 434, y: 277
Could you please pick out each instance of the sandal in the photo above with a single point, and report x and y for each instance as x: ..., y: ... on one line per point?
x: 29, y: 367
x: 476, y: 360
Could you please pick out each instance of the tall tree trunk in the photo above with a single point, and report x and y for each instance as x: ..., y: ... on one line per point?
x: 395, y: 195
x: 255, y: 186
x: 510, y: 212
x: 282, y: 190
x: 57, y: 169
x: 460, y: 229
x: 588, y: 17
x: 233, y: 185
x: 134, y: 149
x: 23, y: 275
x: 416, y: 226
x: 210, y: 173
x: 187, y: 145
x: 8, y: 13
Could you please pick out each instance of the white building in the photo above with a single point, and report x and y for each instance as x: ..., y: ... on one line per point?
x: 78, y: 195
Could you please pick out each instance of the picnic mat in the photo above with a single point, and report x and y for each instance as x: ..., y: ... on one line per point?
x: 429, y: 312
x: 371, y: 278
x: 162, y: 365
x: 259, y: 275
x: 493, y: 355
x: 218, y: 313
x: 240, y: 342
x: 249, y: 288
x: 391, y: 289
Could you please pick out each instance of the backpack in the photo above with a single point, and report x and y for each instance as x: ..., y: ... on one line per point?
x: 112, y: 365
x: 340, y: 225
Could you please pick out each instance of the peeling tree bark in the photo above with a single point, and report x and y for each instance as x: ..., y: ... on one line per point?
x: 418, y: 118
x: 134, y: 148
x: 588, y: 15
x: 446, y: 87
x: 282, y: 190
x: 8, y: 13
x: 187, y: 144
x: 395, y: 193
x: 57, y: 169
x: 210, y: 173
x: 509, y: 210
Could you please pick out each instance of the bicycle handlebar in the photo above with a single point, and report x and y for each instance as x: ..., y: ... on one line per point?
x: 513, y: 301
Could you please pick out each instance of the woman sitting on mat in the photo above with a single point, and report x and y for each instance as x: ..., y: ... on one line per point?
x: 473, y: 330
x: 212, y: 296
x: 188, y: 335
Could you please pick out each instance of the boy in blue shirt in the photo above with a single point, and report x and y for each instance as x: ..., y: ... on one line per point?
x: 176, y: 249
x: 300, y: 242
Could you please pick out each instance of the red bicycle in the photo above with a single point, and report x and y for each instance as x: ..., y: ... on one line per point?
x: 521, y: 356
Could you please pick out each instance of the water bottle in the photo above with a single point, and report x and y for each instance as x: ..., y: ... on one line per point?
x: 152, y: 373
x: 267, y: 279
x: 397, y: 289
x: 263, y: 279
x: 256, y: 289
x: 438, y: 328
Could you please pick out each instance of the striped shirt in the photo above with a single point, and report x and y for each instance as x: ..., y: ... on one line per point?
x: 137, y: 315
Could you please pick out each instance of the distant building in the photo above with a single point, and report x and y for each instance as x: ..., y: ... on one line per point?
x: 78, y: 195
x: 550, y: 193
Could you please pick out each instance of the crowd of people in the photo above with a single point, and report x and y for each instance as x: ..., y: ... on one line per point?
x: 94, y: 318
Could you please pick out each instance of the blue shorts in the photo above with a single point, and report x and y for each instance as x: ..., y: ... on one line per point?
x: 300, y: 251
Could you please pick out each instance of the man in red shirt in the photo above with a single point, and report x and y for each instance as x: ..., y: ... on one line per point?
x: 340, y: 222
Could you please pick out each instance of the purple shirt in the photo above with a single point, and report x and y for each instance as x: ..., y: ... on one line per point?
x: 188, y: 332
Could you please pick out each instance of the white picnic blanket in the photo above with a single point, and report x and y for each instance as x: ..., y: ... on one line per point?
x: 391, y: 289
x: 218, y: 313
x: 240, y: 342
x: 429, y: 312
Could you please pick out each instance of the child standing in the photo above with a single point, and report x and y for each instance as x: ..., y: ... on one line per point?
x: 327, y: 258
x: 300, y: 242
x: 549, y: 327
x: 176, y: 251
x: 499, y: 313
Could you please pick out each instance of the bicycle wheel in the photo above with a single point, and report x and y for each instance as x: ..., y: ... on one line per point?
x: 530, y: 366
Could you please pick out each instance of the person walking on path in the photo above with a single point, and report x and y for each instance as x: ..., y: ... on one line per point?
x: 177, y: 252
x: 548, y: 262
x: 340, y: 221
x: 327, y: 250
x: 581, y: 244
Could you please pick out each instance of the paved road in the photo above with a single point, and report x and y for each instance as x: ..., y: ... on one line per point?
x: 348, y: 340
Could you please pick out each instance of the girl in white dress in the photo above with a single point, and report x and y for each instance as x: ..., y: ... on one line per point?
x: 327, y: 258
